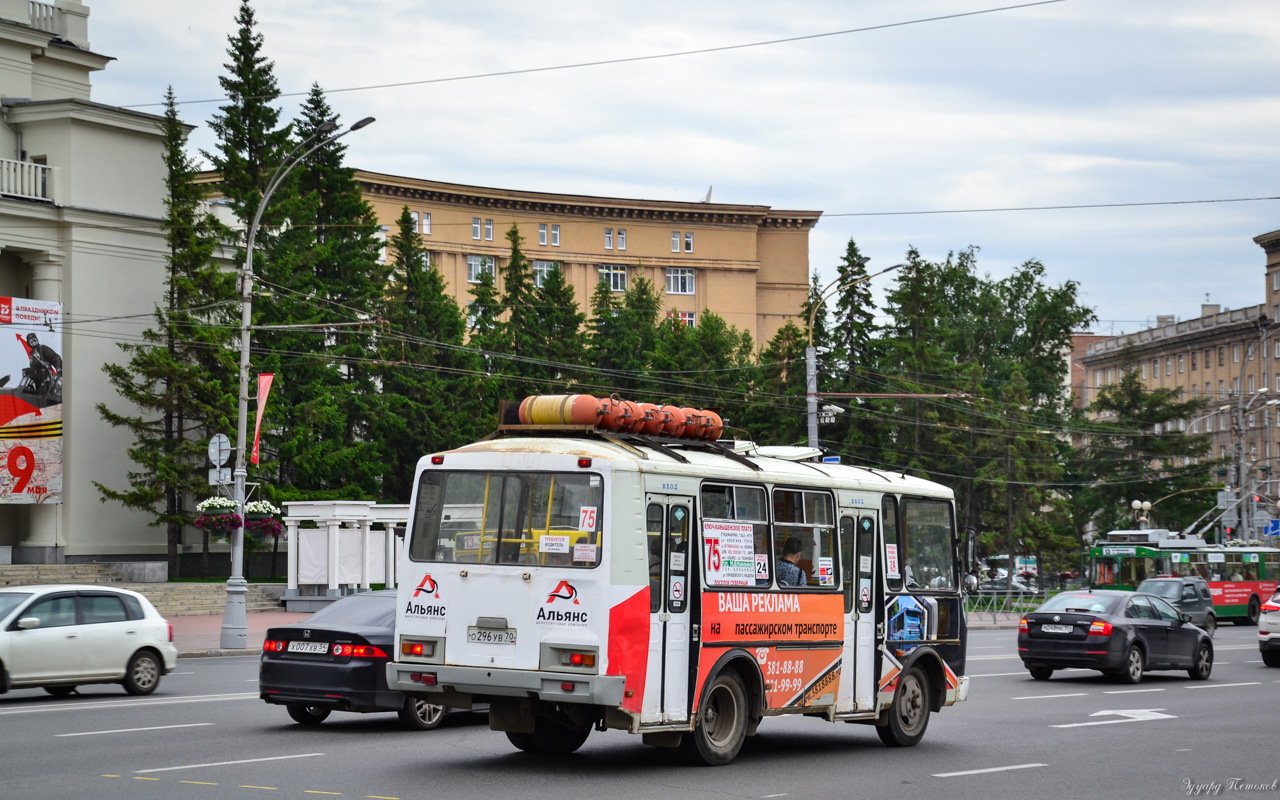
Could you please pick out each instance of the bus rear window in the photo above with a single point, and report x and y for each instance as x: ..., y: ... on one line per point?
x: 525, y: 518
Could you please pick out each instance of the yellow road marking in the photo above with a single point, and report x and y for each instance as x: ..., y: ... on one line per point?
x: 136, y: 778
x: 110, y: 776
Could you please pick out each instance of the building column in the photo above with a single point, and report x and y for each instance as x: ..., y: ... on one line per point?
x: 43, y: 540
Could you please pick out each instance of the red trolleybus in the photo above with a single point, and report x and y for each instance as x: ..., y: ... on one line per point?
x: 683, y: 589
x: 1241, y: 579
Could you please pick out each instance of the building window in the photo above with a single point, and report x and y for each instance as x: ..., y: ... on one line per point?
x: 615, y: 275
x: 1250, y: 384
x: 1275, y: 281
x: 687, y: 317
x: 475, y: 228
x: 1193, y: 360
x: 1111, y: 376
x: 1168, y: 365
x: 426, y: 224
x: 488, y: 230
x: 1222, y: 391
x: 1251, y: 416
x: 1195, y: 391
x: 675, y: 241
x: 679, y: 281
x: 477, y: 265
x: 622, y: 238
x: 1235, y: 386
x: 1155, y: 368
x: 555, y: 235
x: 1222, y: 358
x: 1235, y: 354
x: 413, y: 216
x: 1180, y: 364
x: 541, y: 269
x: 1144, y: 370
x: 542, y: 234
x: 608, y: 238
x: 688, y: 241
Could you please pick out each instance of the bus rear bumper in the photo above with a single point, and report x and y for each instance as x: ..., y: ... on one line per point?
x: 563, y: 687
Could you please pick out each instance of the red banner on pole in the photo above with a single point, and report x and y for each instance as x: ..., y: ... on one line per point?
x: 264, y: 389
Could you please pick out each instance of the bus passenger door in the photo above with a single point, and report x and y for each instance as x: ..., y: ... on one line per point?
x: 669, y: 525
x: 857, y: 563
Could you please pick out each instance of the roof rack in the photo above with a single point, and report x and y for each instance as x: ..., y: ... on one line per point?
x: 665, y: 445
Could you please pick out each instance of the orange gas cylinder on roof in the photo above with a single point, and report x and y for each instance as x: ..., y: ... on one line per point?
x: 653, y: 419
x: 692, y: 424
x: 560, y: 409
x: 633, y: 421
x: 715, y: 426
x: 673, y: 423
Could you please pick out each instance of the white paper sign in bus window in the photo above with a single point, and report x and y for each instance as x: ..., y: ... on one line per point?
x: 554, y: 543
x: 587, y: 518
x: 584, y: 552
x: 891, y: 560
x: 729, y: 551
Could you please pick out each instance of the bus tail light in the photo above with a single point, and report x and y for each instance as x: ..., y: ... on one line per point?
x: 1100, y: 628
x: 1022, y: 625
x: 567, y: 686
x: 424, y: 678
x: 583, y: 463
x: 437, y: 460
x: 571, y: 659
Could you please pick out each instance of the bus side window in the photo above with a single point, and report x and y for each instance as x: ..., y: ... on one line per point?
x: 866, y: 558
x: 846, y: 562
x: 653, y: 529
x: 892, y: 545
x: 679, y: 522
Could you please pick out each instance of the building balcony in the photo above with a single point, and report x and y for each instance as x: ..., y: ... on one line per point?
x: 66, y: 19
x: 27, y: 180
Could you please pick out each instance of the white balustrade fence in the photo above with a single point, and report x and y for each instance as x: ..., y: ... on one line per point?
x: 343, y: 553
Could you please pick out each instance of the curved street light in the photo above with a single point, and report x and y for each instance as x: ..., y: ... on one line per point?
x: 235, y: 623
x: 811, y: 354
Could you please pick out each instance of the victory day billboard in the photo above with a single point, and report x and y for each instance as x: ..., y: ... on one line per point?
x: 30, y: 401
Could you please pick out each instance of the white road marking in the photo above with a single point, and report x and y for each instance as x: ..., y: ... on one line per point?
x: 182, y: 673
x: 1236, y: 647
x: 1259, y: 661
x: 1183, y: 750
x: 998, y: 674
x: 1222, y: 685
x: 1130, y: 715
x: 988, y: 769
x: 1051, y: 696
x: 204, y: 698
x: 132, y: 730
x: 226, y: 763
x: 1132, y: 691
x: 767, y: 796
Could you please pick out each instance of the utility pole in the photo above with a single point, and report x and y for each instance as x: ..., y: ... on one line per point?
x: 1250, y: 485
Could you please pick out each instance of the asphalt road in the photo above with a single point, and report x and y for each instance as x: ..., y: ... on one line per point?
x: 205, y: 735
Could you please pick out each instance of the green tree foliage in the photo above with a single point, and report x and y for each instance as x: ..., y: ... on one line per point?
x: 778, y: 411
x: 1134, y: 450
x: 620, y: 338
x: 709, y: 364
x: 560, y: 336
x: 180, y: 381
x: 327, y: 283
x: 429, y: 379
x: 249, y: 145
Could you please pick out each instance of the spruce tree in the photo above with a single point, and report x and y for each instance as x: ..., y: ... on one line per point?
x: 521, y: 333
x: 181, y: 379
x: 325, y: 272
x: 429, y: 379
x: 560, y: 337
x: 778, y: 413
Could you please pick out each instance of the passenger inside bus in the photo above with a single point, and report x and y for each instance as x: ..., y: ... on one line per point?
x: 789, y: 571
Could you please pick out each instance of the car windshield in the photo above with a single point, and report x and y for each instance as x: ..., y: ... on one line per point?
x: 11, y: 600
x: 1169, y: 590
x: 358, y: 609
x: 1080, y: 601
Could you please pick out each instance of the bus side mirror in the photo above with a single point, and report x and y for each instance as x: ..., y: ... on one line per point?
x: 971, y: 583
x: 970, y: 549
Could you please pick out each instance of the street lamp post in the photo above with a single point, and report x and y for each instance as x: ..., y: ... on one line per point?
x: 235, y: 623
x: 811, y: 354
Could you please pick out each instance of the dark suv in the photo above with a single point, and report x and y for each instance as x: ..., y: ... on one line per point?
x: 1190, y: 595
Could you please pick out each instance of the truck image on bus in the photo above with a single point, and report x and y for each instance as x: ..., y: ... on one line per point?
x: 574, y: 577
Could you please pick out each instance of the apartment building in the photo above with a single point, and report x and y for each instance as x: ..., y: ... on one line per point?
x: 747, y: 263
x: 1231, y: 357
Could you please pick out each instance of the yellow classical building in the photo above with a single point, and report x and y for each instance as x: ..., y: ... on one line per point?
x: 747, y: 263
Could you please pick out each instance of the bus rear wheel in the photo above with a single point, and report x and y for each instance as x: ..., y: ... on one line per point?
x: 909, y: 714
x: 1250, y: 619
x: 722, y: 724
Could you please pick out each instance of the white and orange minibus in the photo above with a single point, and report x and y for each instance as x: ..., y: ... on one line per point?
x: 682, y: 589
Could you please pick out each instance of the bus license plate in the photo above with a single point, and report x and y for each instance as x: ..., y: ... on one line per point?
x: 1057, y: 628
x: 491, y: 635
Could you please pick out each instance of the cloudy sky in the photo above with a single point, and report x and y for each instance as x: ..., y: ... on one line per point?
x: 1076, y: 102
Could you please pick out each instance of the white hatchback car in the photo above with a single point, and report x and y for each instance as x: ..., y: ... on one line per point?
x: 58, y: 637
x: 1269, y: 631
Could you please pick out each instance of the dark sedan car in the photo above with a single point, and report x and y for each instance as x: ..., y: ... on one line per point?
x: 336, y: 660
x: 1120, y: 633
